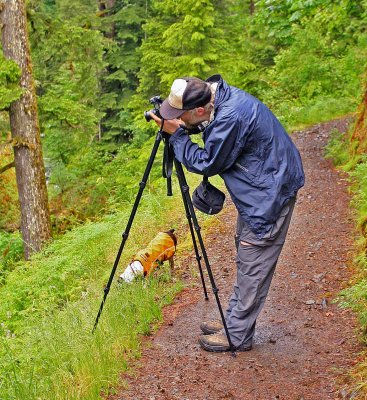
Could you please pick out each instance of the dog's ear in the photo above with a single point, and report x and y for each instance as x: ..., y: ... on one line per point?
x: 172, y: 235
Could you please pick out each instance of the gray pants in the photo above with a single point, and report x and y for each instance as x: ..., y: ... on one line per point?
x: 256, y: 262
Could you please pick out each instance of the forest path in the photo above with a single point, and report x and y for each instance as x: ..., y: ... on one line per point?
x: 304, y: 344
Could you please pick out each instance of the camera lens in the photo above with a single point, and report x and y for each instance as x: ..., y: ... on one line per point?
x: 156, y: 101
x: 147, y: 116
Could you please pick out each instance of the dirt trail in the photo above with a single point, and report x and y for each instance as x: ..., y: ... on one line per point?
x: 304, y: 344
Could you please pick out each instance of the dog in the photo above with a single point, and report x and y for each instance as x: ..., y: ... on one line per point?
x: 161, y: 248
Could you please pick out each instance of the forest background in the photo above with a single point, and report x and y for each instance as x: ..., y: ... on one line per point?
x: 96, y: 64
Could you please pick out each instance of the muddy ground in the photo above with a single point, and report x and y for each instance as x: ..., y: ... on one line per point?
x: 304, y: 343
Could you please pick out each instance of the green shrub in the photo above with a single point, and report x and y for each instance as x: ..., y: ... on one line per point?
x: 337, y: 148
x: 11, y: 251
x: 359, y: 176
x: 355, y: 297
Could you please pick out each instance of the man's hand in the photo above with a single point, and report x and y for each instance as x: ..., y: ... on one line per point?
x: 169, y: 126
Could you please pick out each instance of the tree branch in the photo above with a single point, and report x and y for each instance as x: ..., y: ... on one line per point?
x: 6, y: 167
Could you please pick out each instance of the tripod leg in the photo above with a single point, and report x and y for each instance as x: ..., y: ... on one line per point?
x: 189, y: 220
x: 188, y: 201
x: 125, y: 235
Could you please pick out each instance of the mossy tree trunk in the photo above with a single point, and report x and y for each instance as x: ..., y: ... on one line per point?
x: 29, y: 166
x: 359, y: 136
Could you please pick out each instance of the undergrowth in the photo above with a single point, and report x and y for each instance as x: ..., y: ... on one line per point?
x: 298, y: 116
x: 337, y: 148
x: 49, y: 306
x: 354, y: 296
x: 11, y: 251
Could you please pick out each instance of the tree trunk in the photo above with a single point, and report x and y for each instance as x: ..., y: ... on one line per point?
x: 104, y: 7
x: 29, y: 167
x: 252, y: 7
x: 359, y: 136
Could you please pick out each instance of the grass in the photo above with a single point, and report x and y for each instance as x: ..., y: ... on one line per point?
x: 11, y: 251
x: 299, y: 116
x: 49, y: 305
x: 354, y: 296
x: 59, y: 355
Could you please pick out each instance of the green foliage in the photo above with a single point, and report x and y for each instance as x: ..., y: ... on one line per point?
x: 335, y: 19
x: 122, y: 25
x: 313, y: 66
x: 68, y: 107
x: 182, y: 40
x: 337, y: 148
x: 11, y: 251
x: 92, y: 184
x: 68, y: 60
x: 306, y: 49
x: 9, y: 82
x: 355, y: 297
x: 359, y: 176
x: 322, y: 109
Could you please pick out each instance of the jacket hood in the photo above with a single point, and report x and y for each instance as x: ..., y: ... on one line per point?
x: 223, y: 90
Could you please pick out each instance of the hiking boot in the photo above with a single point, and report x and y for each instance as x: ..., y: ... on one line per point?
x: 212, y: 326
x: 217, y: 342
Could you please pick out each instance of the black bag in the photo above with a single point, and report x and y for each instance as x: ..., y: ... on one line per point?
x: 207, y: 198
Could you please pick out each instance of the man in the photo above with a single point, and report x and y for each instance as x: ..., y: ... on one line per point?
x: 248, y: 147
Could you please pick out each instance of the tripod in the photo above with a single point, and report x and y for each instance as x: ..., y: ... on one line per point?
x: 191, y: 218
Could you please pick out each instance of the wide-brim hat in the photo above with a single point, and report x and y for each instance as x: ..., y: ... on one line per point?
x: 186, y: 94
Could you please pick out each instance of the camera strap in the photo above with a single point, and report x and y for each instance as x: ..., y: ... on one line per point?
x: 168, y: 157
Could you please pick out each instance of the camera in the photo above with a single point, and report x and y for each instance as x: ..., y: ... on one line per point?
x: 156, y: 101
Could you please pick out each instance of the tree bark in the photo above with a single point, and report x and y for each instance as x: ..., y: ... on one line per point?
x: 359, y: 135
x: 252, y: 7
x: 29, y: 166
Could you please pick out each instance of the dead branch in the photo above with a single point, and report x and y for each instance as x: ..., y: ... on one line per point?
x: 7, y: 166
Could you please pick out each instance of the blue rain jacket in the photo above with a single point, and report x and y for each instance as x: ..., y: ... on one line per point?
x: 248, y: 147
